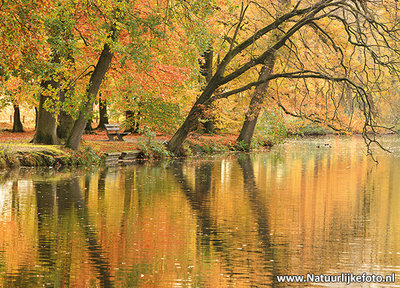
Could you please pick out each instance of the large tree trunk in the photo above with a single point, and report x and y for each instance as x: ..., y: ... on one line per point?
x: 256, y: 102
x: 46, y: 124
x: 65, y: 120
x: 103, y: 117
x: 17, y: 124
x: 202, y: 103
x: 96, y: 78
x: 175, y: 144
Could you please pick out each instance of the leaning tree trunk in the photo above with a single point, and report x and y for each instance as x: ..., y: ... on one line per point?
x: 256, y: 102
x: 96, y: 78
x: 218, y: 79
x: 46, y: 128
x: 103, y: 117
x: 206, y: 71
x: 202, y: 103
x: 17, y: 124
x: 253, y: 112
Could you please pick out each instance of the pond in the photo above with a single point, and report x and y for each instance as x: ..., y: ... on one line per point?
x: 316, y: 206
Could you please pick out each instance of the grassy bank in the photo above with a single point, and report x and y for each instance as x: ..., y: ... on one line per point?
x: 29, y: 155
x: 95, y: 149
x: 15, y: 149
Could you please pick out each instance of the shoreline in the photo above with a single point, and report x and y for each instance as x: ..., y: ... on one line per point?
x: 46, y: 159
x: 14, y: 155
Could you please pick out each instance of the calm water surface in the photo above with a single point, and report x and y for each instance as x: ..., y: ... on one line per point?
x: 308, y: 206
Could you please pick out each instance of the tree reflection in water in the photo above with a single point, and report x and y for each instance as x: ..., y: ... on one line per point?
x: 216, y: 222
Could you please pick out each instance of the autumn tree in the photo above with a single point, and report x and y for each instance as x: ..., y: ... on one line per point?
x: 152, y: 85
x: 92, y: 89
x: 321, y: 46
x: 260, y: 91
x: 21, y: 37
x: 21, y: 48
x: 74, y: 44
x: 116, y: 16
x: 17, y: 92
x: 12, y: 88
x: 130, y: 32
x: 59, y: 22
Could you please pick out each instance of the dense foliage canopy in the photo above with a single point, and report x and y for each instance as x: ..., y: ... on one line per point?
x: 176, y: 63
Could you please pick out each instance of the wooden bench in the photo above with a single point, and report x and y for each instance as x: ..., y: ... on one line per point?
x: 113, y: 132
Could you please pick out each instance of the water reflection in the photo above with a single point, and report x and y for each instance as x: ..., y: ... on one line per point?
x: 236, y: 221
x: 198, y: 199
x: 259, y: 208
